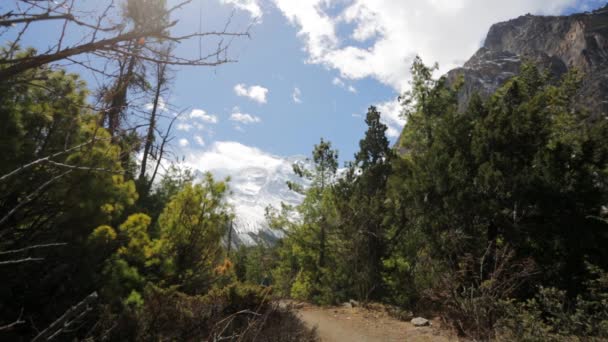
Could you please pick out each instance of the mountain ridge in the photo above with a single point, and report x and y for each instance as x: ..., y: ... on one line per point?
x: 554, y: 43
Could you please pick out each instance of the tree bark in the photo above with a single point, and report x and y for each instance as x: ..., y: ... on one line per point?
x: 152, y: 125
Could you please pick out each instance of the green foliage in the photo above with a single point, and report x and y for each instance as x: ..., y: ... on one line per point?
x: 121, y: 279
x: 333, y: 252
x: 521, y: 169
x: 491, y: 213
x: 552, y: 316
x: 73, y: 182
x: 236, y: 310
x: 302, y: 287
x: 139, y: 247
x: 134, y: 301
x: 191, y: 225
x: 485, y: 203
x: 72, y: 222
x: 103, y: 235
x: 309, y: 247
x: 253, y: 264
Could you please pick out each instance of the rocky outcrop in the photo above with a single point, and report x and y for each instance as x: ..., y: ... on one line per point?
x: 557, y: 43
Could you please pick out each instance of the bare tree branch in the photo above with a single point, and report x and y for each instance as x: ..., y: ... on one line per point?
x: 17, y: 322
x: 83, y: 168
x: 13, y: 251
x: 155, y: 27
x: 67, y: 319
x: 166, y: 139
x: 30, y: 197
x: 45, y: 16
x: 38, y: 161
x: 20, y: 261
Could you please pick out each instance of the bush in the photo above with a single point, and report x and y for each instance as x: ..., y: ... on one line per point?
x: 551, y: 316
x: 472, y: 295
x: 243, y: 312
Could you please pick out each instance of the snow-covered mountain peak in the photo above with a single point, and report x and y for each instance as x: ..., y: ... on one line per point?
x: 257, y: 180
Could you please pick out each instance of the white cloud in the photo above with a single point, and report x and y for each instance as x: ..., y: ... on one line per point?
x: 257, y: 179
x: 251, y: 6
x: 256, y: 93
x: 297, y: 95
x: 184, y: 126
x: 199, y: 140
x: 160, y: 106
x: 316, y: 27
x: 184, y: 142
x: 443, y: 31
x: 201, y: 114
x: 337, y: 81
x: 233, y: 156
x: 390, y: 115
x: 243, y: 118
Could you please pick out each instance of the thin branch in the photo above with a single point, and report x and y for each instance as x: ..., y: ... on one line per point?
x: 70, y: 316
x: 45, y: 16
x: 13, y: 324
x: 20, y: 261
x: 83, y: 168
x: 166, y: 140
x: 33, y: 247
x: 30, y: 197
x: 38, y: 161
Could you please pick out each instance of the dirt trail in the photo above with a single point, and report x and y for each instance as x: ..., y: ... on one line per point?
x: 337, y: 324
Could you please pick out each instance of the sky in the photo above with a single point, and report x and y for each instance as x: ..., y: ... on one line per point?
x: 311, y: 68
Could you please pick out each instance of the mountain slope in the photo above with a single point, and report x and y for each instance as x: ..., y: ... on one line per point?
x: 254, y: 189
x: 257, y: 179
x: 557, y: 43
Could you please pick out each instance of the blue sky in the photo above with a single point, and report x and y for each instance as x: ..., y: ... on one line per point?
x: 337, y: 57
x: 274, y: 58
x: 282, y: 56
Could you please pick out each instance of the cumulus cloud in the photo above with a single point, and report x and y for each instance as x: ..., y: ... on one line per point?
x: 386, y: 35
x: 251, y: 6
x: 184, y: 126
x: 184, y: 142
x: 391, y: 116
x: 379, y: 38
x: 202, y: 115
x: 337, y: 81
x: 199, y: 140
x: 233, y: 156
x: 256, y: 93
x: 243, y: 118
x: 160, y: 106
x: 297, y: 95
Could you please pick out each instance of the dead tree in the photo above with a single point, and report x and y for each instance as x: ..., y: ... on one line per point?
x: 144, y: 23
x: 161, y: 81
x: 161, y: 152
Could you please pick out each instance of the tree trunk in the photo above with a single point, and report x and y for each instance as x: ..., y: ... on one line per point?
x: 152, y: 124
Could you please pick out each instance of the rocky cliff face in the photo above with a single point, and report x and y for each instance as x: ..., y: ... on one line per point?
x: 557, y: 43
